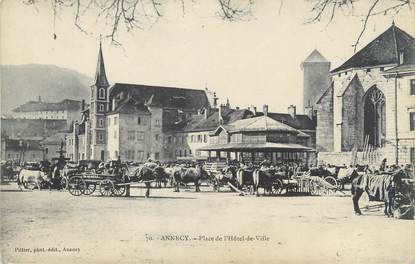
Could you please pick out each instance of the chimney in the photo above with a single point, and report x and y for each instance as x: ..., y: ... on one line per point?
x: 221, y: 107
x: 215, y: 100
x: 206, y: 112
x: 83, y: 105
x: 292, y: 110
x: 265, y: 109
x: 253, y: 109
x: 309, y: 111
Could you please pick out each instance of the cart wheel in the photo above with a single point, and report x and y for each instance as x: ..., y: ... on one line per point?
x: 119, y: 189
x: 89, y: 188
x: 277, y: 187
x: 76, y: 186
x: 331, y: 180
x: 106, y: 187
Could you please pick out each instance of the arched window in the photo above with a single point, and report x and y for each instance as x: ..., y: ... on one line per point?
x: 101, y: 107
x: 374, y: 117
x: 101, y: 93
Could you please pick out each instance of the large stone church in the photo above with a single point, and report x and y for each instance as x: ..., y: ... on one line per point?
x: 370, y: 102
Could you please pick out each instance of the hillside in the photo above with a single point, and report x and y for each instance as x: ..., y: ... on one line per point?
x: 21, y: 83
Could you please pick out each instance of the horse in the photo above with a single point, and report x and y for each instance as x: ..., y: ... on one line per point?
x: 378, y: 187
x: 29, y: 179
x: 161, y: 176
x: 264, y: 178
x: 244, y: 179
x: 188, y: 175
x: 142, y: 174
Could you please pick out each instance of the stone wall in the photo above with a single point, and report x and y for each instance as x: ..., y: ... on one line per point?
x: 324, y: 128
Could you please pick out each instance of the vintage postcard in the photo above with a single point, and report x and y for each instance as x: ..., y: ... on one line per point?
x: 207, y: 131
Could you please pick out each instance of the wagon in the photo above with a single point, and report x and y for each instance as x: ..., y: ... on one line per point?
x: 107, y: 184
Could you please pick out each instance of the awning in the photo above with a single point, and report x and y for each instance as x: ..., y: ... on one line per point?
x: 268, y: 146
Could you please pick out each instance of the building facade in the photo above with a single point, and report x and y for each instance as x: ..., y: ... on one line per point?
x: 369, y: 103
x: 64, y: 110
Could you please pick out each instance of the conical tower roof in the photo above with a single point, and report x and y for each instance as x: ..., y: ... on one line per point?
x: 315, y: 56
x: 100, y: 76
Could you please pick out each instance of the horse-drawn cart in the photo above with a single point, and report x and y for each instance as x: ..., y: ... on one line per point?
x: 87, y: 183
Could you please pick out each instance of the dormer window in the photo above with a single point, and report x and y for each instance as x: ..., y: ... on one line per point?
x: 401, y: 57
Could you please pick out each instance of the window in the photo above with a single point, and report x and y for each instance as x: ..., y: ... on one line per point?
x: 169, y: 139
x: 140, y: 136
x: 131, y: 135
x: 205, y: 138
x: 185, y: 153
x: 157, y: 155
x: 180, y: 153
x: 382, y: 68
x: 101, y: 93
x: 157, y: 137
x: 101, y: 137
x: 157, y: 122
x: 34, y: 156
x: 46, y: 150
x: 412, y: 121
x: 368, y: 70
x: 138, y: 120
x: 199, y: 138
x: 190, y: 152
x: 129, y: 154
x: 192, y: 139
x: 140, y: 155
x: 174, y: 140
x: 412, y: 84
x: 115, y: 120
x: 101, y: 122
x: 101, y: 107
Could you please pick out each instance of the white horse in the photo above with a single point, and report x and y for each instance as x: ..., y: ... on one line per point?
x: 30, y: 179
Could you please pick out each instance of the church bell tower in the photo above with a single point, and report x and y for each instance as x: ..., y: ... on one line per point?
x: 99, y: 106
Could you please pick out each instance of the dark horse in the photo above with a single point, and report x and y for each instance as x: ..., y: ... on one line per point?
x: 264, y: 179
x: 188, y: 175
x: 145, y: 175
x: 378, y: 187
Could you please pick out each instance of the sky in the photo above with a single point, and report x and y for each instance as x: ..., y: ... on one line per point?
x: 251, y: 62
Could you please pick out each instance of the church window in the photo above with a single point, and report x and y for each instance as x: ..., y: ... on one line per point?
x: 101, y: 93
x: 412, y: 121
x: 412, y: 84
x: 374, y: 117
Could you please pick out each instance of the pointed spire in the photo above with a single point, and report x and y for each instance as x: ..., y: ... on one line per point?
x: 100, y: 76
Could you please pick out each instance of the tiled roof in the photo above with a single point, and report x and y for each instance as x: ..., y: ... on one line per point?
x: 383, y: 50
x: 259, y: 123
x: 257, y: 146
x: 35, y: 106
x: 199, y: 123
x: 31, y: 128
x: 300, y: 122
x: 130, y: 106
x: 167, y: 97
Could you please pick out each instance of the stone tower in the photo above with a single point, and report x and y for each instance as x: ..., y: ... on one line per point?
x: 99, y: 105
x: 316, y: 79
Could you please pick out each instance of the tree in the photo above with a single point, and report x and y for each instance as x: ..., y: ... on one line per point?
x: 138, y: 14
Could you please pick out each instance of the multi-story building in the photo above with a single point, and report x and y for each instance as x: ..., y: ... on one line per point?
x: 370, y: 102
x: 130, y: 120
x: 64, y: 110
